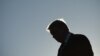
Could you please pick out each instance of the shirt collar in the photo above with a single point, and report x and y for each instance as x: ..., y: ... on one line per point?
x: 67, y: 37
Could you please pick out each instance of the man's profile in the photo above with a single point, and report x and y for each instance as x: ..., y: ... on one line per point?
x: 71, y: 44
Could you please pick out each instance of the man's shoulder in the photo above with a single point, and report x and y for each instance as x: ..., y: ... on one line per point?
x: 79, y: 37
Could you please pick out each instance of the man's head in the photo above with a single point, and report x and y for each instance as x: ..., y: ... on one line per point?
x: 58, y: 30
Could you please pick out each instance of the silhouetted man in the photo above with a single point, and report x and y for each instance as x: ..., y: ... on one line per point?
x: 71, y: 44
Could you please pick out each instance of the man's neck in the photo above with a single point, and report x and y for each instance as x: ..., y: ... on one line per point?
x: 67, y: 37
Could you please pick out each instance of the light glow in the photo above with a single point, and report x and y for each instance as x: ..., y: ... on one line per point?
x: 60, y: 19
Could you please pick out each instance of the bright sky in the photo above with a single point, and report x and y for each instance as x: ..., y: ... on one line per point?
x: 23, y: 24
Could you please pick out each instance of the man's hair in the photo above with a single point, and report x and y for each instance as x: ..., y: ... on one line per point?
x: 58, y: 24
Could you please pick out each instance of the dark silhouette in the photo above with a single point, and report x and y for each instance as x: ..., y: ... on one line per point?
x: 71, y: 44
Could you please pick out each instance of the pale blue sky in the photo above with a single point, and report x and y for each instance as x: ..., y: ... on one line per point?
x: 23, y: 23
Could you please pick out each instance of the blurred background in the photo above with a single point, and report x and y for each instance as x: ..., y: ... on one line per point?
x: 23, y: 24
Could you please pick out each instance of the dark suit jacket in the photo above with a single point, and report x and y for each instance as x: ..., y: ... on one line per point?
x: 77, y: 45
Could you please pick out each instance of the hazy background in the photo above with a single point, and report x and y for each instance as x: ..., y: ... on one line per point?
x: 23, y: 23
